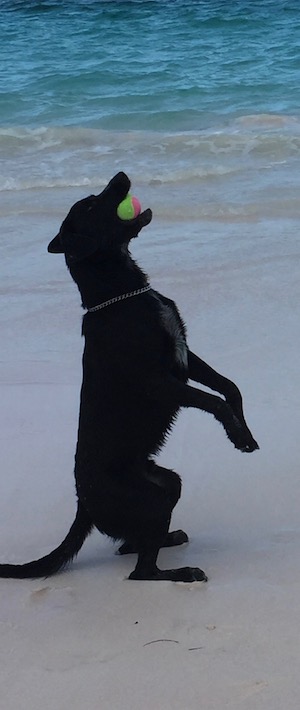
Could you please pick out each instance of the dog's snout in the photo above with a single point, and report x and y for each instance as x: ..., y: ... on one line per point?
x: 119, y: 186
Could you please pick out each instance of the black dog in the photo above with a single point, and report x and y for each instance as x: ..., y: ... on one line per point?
x: 136, y: 364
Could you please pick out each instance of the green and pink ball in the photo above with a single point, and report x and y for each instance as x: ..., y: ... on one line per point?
x: 129, y: 208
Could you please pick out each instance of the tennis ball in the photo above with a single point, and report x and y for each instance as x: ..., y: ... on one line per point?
x: 129, y: 208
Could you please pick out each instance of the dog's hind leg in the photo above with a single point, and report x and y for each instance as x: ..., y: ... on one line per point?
x: 155, y: 510
x: 170, y: 481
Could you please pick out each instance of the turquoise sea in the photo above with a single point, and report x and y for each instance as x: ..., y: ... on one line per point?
x: 201, y: 98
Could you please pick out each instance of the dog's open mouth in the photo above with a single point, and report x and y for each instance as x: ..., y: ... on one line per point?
x: 133, y: 226
x: 145, y: 217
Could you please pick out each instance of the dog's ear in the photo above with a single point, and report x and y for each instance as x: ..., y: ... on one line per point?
x: 75, y: 246
x: 55, y: 246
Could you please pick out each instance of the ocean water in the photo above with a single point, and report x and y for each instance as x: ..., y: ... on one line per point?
x: 198, y: 101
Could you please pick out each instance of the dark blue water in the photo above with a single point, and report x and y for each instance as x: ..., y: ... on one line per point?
x: 147, y: 65
x: 199, y: 99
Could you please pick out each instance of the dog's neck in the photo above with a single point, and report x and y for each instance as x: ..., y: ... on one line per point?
x: 99, y: 280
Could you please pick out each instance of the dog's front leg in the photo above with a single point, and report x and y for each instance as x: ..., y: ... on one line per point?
x: 177, y: 394
x: 200, y: 372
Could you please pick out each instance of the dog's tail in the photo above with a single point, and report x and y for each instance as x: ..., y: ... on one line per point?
x: 58, y: 558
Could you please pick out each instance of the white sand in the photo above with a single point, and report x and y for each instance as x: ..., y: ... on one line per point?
x: 89, y: 638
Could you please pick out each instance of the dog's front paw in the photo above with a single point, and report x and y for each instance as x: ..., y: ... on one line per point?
x: 237, y: 431
x: 241, y: 436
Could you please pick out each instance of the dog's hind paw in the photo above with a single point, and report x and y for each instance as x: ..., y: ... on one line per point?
x: 183, y: 574
x: 177, y: 537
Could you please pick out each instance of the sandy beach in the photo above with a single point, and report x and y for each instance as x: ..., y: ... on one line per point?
x: 89, y: 637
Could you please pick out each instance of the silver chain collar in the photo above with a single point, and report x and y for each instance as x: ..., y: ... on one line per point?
x: 119, y: 298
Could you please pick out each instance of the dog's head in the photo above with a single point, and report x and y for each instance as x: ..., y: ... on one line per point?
x: 93, y: 225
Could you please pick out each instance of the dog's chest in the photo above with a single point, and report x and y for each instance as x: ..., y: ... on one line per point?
x: 174, y: 327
